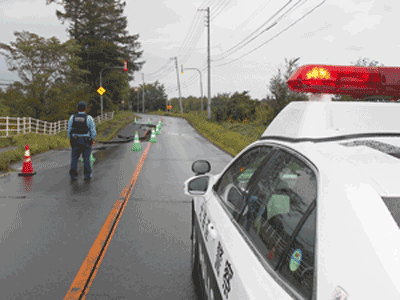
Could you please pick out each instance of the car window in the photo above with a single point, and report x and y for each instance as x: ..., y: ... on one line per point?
x: 276, y: 203
x: 393, y: 204
x: 236, y: 178
x: 297, y: 266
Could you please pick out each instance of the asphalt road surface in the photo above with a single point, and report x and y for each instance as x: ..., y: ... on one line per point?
x: 51, y: 229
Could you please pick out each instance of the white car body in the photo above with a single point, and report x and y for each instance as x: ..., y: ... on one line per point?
x: 349, y: 145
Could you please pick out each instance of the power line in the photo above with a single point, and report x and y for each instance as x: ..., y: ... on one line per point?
x: 254, y: 32
x: 253, y: 35
x: 220, y: 9
x: 278, y: 34
x: 255, y: 13
x: 192, y: 37
x: 166, y: 68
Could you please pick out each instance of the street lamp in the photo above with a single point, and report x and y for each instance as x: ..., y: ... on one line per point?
x: 201, y: 85
x: 101, y: 96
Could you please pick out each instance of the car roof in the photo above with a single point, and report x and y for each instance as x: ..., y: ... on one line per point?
x: 305, y: 120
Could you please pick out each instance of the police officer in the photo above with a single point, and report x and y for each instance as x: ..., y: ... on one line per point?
x: 81, y: 134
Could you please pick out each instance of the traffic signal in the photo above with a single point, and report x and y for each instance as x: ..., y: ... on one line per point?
x: 125, y: 65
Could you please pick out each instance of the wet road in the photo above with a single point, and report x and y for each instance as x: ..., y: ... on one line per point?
x: 48, y: 225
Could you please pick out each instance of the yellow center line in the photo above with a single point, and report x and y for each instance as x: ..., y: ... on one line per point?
x: 84, y: 278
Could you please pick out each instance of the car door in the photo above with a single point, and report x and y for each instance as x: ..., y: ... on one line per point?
x: 279, y: 222
x: 263, y: 223
x: 216, y: 267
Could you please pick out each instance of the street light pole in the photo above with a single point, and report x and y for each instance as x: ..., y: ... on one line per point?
x: 137, y: 100
x: 143, y: 92
x: 201, y: 85
x: 101, y: 96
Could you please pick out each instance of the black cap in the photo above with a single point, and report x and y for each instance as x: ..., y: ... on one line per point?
x: 81, y: 106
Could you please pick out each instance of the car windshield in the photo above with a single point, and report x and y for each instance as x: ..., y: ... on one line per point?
x: 393, y: 204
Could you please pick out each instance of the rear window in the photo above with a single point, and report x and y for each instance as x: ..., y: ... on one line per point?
x: 393, y: 204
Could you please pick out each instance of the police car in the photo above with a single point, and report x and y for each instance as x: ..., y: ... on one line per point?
x: 312, y: 209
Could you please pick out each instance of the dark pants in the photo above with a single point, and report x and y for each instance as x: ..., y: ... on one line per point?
x: 80, y: 145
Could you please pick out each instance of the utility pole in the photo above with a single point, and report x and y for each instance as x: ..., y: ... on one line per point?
x: 208, y: 60
x: 179, y: 86
x: 143, y: 92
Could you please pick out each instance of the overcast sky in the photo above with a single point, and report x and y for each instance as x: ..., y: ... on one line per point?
x: 245, y: 54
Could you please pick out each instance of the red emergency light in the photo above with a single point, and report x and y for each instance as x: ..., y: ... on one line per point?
x: 356, y: 81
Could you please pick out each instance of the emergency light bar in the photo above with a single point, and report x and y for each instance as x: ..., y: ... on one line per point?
x: 356, y: 81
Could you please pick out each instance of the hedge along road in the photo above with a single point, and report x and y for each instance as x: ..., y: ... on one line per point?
x: 123, y: 235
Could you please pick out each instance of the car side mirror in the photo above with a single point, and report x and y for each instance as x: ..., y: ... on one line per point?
x: 197, y: 185
x: 200, y: 167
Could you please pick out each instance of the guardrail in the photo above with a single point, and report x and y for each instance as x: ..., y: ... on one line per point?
x: 24, y: 125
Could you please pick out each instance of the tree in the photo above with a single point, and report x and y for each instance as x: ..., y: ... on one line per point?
x: 366, y: 62
x: 264, y: 113
x: 280, y: 91
x: 220, y: 107
x: 154, y: 96
x: 240, y: 106
x: 100, y: 28
x: 44, y: 66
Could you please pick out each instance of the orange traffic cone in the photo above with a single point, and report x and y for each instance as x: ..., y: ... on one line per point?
x: 27, y: 169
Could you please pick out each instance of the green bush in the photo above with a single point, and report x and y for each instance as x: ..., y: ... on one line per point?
x: 10, y: 156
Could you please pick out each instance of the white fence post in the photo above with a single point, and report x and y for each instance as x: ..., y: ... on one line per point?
x: 53, y: 128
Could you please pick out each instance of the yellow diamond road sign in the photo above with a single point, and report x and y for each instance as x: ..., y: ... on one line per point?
x: 101, y: 90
